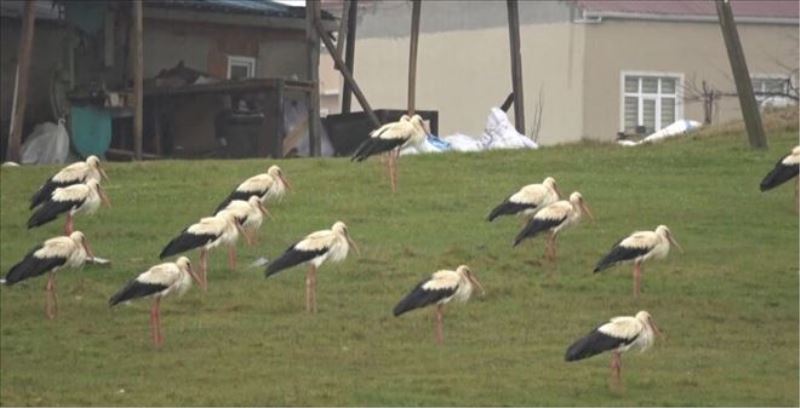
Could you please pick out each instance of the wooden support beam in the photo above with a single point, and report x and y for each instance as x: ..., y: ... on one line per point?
x: 21, y: 86
x: 516, y: 64
x: 350, y: 54
x: 744, y: 87
x: 138, y: 77
x: 312, y: 45
x: 348, y: 77
x: 507, y: 103
x: 342, y: 35
x: 412, y: 55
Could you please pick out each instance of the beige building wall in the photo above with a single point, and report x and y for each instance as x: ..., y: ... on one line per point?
x: 695, y: 50
x: 464, y: 73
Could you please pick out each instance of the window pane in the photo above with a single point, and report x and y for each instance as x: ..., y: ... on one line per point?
x: 649, y: 85
x: 631, y: 84
x: 667, y: 85
x: 774, y: 85
x: 239, y: 71
x: 631, y: 112
x: 649, y: 114
x: 667, y: 111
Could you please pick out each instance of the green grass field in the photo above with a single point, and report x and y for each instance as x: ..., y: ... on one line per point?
x: 729, y: 304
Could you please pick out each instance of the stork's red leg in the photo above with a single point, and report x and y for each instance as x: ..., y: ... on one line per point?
x: 68, y: 226
x: 51, y: 305
x: 232, y: 257
x: 439, y: 324
x: 637, y: 279
x: 308, y: 287
x: 616, y: 369
x: 203, y: 269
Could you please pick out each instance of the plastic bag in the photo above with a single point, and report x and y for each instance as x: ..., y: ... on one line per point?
x: 48, y: 144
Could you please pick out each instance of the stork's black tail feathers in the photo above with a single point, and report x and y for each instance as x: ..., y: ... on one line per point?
x: 373, y: 146
x: 49, y: 211
x: 292, y: 257
x: 534, y: 227
x: 31, y: 266
x: 185, y: 242
x: 235, y: 195
x: 508, y: 208
x: 134, y: 289
x: 593, y: 344
x: 779, y: 175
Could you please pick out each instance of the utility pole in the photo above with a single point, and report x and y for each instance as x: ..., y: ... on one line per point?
x: 747, y: 100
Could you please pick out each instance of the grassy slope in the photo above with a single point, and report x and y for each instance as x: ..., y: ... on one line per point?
x: 729, y: 304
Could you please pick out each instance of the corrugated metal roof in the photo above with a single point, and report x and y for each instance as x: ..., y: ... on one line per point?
x: 765, y: 9
x: 260, y: 7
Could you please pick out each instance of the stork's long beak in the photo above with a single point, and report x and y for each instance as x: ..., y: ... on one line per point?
x: 264, y: 210
x: 352, y: 244
x: 558, y: 191
x: 587, y: 210
x: 285, y: 182
x: 241, y: 232
x: 674, y: 242
x: 88, y: 248
x: 475, y: 281
x: 655, y: 328
x: 194, y: 276
x: 103, y: 174
x: 103, y: 196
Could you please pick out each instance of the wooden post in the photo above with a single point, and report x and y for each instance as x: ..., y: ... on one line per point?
x: 350, y: 54
x: 412, y: 55
x: 516, y: 64
x: 341, y: 37
x: 21, y: 86
x: 137, y: 79
x: 312, y: 45
x: 744, y: 87
x: 348, y: 77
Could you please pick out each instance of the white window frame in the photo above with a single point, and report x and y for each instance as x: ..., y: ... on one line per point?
x: 678, y: 76
x: 773, y: 100
x: 239, y: 60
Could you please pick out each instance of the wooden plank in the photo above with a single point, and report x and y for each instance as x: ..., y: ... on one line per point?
x: 350, y: 55
x: 516, y: 64
x: 21, y: 87
x: 138, y: 63
x: 741, y: 75
x: 412, y: 55
x: 342, y: 35
x: 312, y: 44
x: 348, y: 77
x: 279, y: 130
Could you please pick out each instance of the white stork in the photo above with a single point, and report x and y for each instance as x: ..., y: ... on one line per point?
x: 528, y: 200
x: 206, y: 234
x: 554, y: 218
x: 392, y: 137
x: 270, y: 185
x: 54, y: 254
x: 315, y: 249
x: 157, y: 282
x: 619, y: 335
x: 637, y: 248
x: 442, y: 287
x: 78, y: 172
x: 84, y: 198
x: 249, y: 214
x: 785, y: 169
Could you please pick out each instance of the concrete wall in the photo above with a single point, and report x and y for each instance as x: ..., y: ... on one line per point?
x: 695, y: 50
x: 463, y: 73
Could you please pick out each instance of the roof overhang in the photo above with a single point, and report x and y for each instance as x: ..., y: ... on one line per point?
x: 159, y: 13
x: 591, y: 16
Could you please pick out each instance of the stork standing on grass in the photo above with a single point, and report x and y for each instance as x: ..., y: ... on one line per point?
x: 71, y: 200
x: 553, y: 219
x: 315, y: 249
x: 390, y: 138
x: 619, y: 335
x: 54, y: 254
x: 639, y: 247
x: 528, y: 200
x: 157, y: 282
x: 206, y: 234
x: 270, y: 185
x: 78, y: 172
x: 785, y: 169
x: 442, y: 287
x: 249, y: 214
